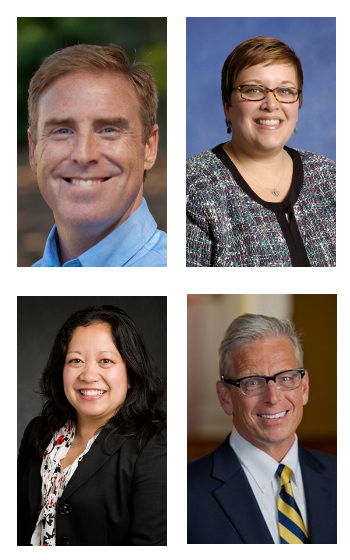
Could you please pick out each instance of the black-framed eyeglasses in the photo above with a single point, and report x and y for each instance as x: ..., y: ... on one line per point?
x: 256, y: 384
x: 253, y: 92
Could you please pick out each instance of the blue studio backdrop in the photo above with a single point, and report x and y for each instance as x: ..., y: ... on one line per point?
x: 210, y: 41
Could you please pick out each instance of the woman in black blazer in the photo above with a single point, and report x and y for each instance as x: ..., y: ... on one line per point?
x: 92, y: 467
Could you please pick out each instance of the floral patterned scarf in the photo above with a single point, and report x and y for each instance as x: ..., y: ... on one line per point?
x: 54, y: 483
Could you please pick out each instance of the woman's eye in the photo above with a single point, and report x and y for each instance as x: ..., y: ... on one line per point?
x: 106, y: 361
x: 75, y: 361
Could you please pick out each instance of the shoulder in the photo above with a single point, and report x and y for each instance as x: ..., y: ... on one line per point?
x: 31, y: 428
x: 219, y: 463
x: 157, y: 245
x: 323, y: 462
x: 200, y: 478
x: 156, y: 444
x: 311, y: 159
x: 27, y: 446
x: 130, y: 446
x: 205, y: 170
x: 201, y: 161
x: 151, y: 457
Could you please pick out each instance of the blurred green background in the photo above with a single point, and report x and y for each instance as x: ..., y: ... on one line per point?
x: 143, y: 39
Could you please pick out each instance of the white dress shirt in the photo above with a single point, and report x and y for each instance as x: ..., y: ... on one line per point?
x: 260, y: 469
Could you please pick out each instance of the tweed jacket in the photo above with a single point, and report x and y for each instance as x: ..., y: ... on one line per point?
x: 116, y: 496
x: 228, y: 225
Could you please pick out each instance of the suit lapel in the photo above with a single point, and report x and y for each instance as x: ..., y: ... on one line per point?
x: 318, y: 495
x: 100, y: 452
x: 236, y: 498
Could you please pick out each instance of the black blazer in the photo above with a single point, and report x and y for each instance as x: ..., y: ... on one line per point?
x: 222, y: 508
x: 116, y: 497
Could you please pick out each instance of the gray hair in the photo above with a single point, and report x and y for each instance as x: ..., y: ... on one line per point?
x: 249, y: 328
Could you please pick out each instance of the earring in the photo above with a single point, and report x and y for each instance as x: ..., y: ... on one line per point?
x: 229, y: 127
x: 295, y: 131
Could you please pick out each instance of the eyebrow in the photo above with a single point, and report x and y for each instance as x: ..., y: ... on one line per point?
x: 100, y: 352
x: 258, y: 82
x: 118, y: 122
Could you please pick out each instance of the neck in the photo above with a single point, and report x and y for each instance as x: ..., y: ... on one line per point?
x: 267, y: 158
x: 87, y: 428
x: 74, y: 240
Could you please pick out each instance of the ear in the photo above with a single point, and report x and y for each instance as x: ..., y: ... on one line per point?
x: 224, y: 397
x: 305, y: 387
x: 226, y: 111
x: 32, y: 158
x: 151, y: 148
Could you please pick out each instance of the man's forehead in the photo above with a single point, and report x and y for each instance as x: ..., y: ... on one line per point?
x: 264, y: 352
x: 104, y: 95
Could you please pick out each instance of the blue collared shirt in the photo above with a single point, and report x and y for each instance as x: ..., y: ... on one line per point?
x: 136, y: 242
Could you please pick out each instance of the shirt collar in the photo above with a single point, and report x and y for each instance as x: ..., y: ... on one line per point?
x: 261, y: 466
x: 114, y: 250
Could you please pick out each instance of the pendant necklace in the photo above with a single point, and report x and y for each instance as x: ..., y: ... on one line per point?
x: 275, y: 190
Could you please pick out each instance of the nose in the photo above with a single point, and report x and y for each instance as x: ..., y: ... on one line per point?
x: 269, y: 102
x: 85, y: 148
x: 89, y: 374
x: 272, y: 392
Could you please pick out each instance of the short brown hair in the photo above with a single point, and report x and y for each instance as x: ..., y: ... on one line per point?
x: 258, y: 50
x: 97, y: 58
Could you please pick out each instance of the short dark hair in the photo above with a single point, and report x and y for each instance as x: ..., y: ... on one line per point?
x: 258, y: 50
x: 141, y: 414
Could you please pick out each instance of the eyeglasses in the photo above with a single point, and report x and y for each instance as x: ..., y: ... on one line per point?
x: 256, y: 384
x: 258, y: 93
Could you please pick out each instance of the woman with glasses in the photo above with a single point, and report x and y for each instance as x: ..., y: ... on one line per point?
x: 252, y: 201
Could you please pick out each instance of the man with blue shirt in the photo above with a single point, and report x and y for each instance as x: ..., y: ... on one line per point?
x: 259, y: 486
x: 92, y: 138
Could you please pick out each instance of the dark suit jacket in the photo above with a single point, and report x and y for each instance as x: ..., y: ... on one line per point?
x: 222, y: 508
x: 117, y: 495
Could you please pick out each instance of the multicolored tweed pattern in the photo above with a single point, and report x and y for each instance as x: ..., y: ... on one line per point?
x: 225, y: 227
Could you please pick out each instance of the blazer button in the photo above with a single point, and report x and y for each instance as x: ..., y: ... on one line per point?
x: 64, y: 541
x: 64, y: 509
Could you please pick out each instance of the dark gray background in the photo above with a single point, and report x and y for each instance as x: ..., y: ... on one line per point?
x: 40, y: 318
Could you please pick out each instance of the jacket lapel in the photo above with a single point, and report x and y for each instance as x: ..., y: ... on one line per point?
x: 101, y: 451
x: 320, y: 497
x: 236, y: 498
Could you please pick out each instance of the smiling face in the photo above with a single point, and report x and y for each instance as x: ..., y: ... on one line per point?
x: 262, y: 126
x: 89, y: 154
x: 94, y: 375
x: 268, y: 421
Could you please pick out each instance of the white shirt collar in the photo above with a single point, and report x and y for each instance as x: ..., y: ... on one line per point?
x: 260, y: 465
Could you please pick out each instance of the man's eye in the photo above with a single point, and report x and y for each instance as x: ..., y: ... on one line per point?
x: 62, y: 131
x: 253, y: 382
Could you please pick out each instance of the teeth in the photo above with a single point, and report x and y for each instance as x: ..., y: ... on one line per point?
x: 88, y: 183
x: 273, y: 416
x: 90, y: 392
x: 269, y: 122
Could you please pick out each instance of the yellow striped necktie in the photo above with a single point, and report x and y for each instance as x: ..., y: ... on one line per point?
x: 291, y: 526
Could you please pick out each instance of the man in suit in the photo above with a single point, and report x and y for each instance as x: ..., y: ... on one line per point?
x: 234, y: 492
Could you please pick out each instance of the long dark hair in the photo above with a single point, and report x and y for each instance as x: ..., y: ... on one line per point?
x: 141, y: 413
